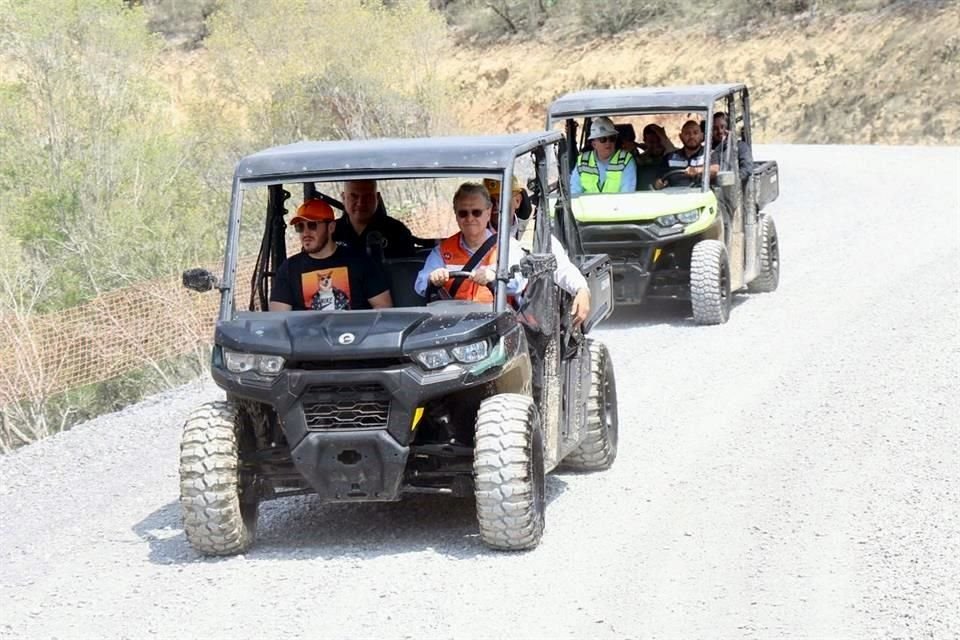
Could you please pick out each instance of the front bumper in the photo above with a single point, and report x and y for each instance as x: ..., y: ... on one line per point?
x: 349, y: 429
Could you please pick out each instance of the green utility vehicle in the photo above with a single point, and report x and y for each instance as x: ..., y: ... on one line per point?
x: 694, y: 239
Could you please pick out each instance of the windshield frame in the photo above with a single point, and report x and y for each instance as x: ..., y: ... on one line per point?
x: 578, y: 121
x: 241, y: 186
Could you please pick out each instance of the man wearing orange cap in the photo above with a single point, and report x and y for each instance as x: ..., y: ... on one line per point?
x: 325, y: 276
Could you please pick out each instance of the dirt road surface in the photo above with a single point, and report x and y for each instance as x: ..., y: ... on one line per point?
x: 792, y: 474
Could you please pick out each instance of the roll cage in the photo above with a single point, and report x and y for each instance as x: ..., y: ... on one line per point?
x: 473, y: 158
x: 701, y: 99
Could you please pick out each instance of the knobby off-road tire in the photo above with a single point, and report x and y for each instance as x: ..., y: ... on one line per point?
x: 710, y: 282
x: 769, y: 275
x: 217, y: 518
x: 598, y: 449
x: 508, y: 470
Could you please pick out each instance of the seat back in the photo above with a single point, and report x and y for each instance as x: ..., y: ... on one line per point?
x: 401, y: 274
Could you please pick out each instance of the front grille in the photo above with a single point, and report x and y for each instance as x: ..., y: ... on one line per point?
x: 353, y: 406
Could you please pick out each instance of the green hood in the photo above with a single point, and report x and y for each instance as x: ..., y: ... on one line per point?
x: 639, y: 205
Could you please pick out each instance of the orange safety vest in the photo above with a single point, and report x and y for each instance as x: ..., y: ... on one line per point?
x: 454, y: 258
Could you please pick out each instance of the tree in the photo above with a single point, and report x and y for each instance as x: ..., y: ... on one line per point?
x: 91, y: 168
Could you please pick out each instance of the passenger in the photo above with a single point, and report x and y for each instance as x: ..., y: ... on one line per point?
x: 472, y: 206
x: 721, y: 133
x: 627, y: 139
x: 520, y: 218
x: 656, y: 145
x: 605, y: 169
x: 324, y: 275
x: 567, y: 276
x: 366, y: 224
x: 685, y: 166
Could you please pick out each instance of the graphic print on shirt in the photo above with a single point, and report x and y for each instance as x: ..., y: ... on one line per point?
x: 326, y: 289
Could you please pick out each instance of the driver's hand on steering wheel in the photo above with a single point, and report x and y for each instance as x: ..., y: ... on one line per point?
x: 483, y: 275
x: 693, y: 172
x: 659, y: 183
x: 439, y: 277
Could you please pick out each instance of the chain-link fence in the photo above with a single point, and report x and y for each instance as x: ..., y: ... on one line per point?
x: 118, y: 332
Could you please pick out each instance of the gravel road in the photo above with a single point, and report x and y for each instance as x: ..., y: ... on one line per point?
x: 792, y: 474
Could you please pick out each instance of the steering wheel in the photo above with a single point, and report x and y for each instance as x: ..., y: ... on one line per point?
x: 677, y: 172
x: 440, y: 293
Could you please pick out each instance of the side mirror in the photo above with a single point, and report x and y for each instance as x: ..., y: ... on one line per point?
x: 726, y: 179
x: 200, y: 280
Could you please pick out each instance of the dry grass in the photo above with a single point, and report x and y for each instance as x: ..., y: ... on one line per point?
x: 892, y: 77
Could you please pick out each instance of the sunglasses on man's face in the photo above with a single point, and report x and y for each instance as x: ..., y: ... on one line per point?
x: 606, y: 139
x: 312, y: 225
x: 463, y: 213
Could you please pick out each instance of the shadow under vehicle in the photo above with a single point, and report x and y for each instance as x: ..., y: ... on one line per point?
x: 699, y: 242
x: 442, y: 396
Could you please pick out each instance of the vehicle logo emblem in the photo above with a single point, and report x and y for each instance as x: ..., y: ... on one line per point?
x: 346, y: 338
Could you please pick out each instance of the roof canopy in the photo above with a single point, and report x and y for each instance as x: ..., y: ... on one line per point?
x: 640, y: 99
x: 392, y: 155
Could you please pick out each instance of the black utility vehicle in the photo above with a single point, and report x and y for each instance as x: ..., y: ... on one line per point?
x: 442, y: 397
x: 700, y: 241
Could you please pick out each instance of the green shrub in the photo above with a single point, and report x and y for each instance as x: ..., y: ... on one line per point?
x: 608, y: 17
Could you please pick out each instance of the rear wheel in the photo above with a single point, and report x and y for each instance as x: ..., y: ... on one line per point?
x: 598, y: 449
x: 768, y: 276
x: 219, y: 505
x: 710, y: 282
x: 508, y: 469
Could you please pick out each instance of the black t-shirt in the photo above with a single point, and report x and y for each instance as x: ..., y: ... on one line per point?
x: 678, y: 161
x: 399, y: 240
x: 345, y: 280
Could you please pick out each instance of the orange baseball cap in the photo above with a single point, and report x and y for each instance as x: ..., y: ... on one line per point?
x: 313, y: 210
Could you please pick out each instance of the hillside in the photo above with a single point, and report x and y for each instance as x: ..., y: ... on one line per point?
x: 887, y: 77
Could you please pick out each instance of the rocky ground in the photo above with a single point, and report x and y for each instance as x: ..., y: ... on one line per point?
x: 791, y: 474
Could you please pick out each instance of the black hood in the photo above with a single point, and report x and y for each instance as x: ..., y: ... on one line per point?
x: 320, y: 335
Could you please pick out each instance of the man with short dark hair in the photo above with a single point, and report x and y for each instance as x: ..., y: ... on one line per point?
x: 325, y: 276
x: 365, y: 225
x: 721, y: 139
x: 685, y: 166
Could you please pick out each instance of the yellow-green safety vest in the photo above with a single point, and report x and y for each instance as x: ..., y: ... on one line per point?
x: 590, y: 174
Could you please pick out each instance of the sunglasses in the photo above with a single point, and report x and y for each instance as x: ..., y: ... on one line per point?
x: 606, y: 139
x: 476, y: 213
x: 312, y: 225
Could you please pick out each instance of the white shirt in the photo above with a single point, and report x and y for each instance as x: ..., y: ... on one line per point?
x: 567, y: 276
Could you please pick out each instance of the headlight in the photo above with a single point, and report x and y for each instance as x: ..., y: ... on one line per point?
x: 237, y: 362
x: 473, y: 352
x: 464, y: 354
x: 435, y: 358
x: 686, y: 217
